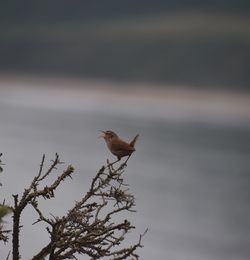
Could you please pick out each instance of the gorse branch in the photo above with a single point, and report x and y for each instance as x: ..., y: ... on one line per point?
x: 31, y: 194
x: 4, y: 210
x: 90, y: 227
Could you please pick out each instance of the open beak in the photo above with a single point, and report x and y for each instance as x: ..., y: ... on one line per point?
x: 103, y: 134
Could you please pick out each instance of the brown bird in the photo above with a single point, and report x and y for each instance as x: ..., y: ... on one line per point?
x: 117, y: 146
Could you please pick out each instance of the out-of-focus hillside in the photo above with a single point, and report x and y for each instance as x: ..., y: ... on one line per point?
x: 180, y: 43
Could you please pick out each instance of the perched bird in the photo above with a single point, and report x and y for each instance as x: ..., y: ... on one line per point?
x: 117, y: 146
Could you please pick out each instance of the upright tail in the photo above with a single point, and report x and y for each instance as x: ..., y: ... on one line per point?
x: 134, y: 140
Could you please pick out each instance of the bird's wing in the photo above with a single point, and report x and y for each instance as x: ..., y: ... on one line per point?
x: 121, y: 145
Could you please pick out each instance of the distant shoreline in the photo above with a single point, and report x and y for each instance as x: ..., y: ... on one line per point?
x: 187, y: 101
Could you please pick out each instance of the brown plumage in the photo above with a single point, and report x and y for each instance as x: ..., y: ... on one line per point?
x: 117, y: 146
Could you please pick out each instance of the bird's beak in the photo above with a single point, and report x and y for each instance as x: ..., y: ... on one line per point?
x: 103, y: 134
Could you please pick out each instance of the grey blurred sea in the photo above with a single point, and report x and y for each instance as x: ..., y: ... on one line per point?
x: 190, y: 173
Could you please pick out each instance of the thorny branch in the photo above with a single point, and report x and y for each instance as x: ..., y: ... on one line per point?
x: 4, y: 210
x: 90, y: 226
x: 31, y: 194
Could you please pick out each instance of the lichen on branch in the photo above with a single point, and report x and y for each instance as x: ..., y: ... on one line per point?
x: 90, y: 227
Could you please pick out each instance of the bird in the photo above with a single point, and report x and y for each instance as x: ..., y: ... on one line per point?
x: 117, y: 146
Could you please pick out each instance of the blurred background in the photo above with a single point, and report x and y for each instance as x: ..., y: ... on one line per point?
x: 177, y: 72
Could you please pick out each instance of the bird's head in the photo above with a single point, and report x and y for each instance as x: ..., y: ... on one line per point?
x: 109, y: 135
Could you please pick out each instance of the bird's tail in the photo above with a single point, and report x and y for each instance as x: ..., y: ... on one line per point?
x: 134, y: 140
